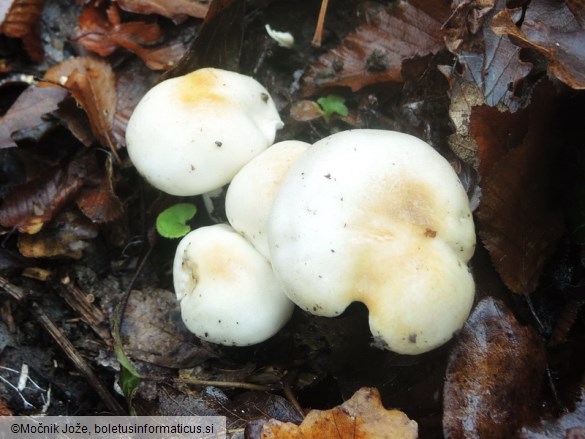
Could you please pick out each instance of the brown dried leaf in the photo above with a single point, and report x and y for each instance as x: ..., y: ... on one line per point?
x: 30, y: 205
x: 491, y: 61
x: 363, y: 416
x: 22, y: 21
x: 66, y: 236
x: 92, y: 83
x: 564, y: 50
x: 375, y: 51
x: 134, y: 80
x: 219, y: 40
x: 28, y: 111
x: 493, y: 376
x: 519, y: 223
x: 173, y: 9
x: 577, y: 8
x: 100, y: 204
x: 102, y: 31
x: 153, y: 331
x: 496, y: 132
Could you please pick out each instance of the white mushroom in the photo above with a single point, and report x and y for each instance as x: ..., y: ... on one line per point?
x: 378, y: 217
x: 252, y: 192
x: 191, y: 134
x: 228, y: 291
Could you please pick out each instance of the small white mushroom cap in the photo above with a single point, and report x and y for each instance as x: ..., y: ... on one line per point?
x: 191, y: 134
x: 252, y: 192
x: 227, y: 290
x: 378, y: 217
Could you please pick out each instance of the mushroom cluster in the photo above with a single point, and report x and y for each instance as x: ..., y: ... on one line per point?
x: 373, y: 216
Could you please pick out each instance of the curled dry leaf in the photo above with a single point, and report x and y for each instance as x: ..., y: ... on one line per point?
x: 494, y: 375
x: 100, y: 203
x: 490, y: 61
x: 362, y: 416
x: 375, y: 51
x: 28, y: 111
x: 101, y: 30
x: 21, y: 19
x: 174, y: 9
x: 30, y: 205
x: 92, y: 83
x: 564, y: 50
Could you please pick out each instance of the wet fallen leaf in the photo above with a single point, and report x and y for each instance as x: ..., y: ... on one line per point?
x: 152, y: 331
x: 375, y: 51
x: 564, y: 50
x: 212, y: 401
x: 490, y: 61
x: 577, y: 8
x: 28, y: 111
x: 174, y: 9
x: 66, y: 236
x: 494, y: 375
x: 32, y: 204
x: 363, y: 416
x: 101, y: 30
x: 218, y: 42
x: 519, y: 221
x: 92, y: 82
x: 100, y: 203
x: 21, y: 19
x: 464, y: 97
x: 133, y: 81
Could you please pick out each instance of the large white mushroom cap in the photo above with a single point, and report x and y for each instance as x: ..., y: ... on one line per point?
x: 227, y: 290
x: 378, y: 217
x: 191, y: 134
x: 252, y: 192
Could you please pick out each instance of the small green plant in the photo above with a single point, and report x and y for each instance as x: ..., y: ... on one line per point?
x: 129, y: 376
x: 172, y: 222
x: 332, y: 104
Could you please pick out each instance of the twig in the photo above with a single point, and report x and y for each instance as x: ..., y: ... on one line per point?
x: 13, y: 290
x: 320, y: 23
x: 77, y: 360
x: 198, y: 382
x: 291, y: 396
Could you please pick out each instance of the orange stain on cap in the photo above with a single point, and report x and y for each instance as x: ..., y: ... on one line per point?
x: 201, y: 85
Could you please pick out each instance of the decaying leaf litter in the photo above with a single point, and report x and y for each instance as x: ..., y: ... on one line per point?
x: 495, y: 86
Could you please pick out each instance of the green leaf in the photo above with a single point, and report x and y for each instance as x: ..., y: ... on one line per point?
x: 332, y: 104
x: 172, y: 222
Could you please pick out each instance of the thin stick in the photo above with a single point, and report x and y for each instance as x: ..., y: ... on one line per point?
x: 198, y: 382
x: 320, y: 23
x: 78, y: 361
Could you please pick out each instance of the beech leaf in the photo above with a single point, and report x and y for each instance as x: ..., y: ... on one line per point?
x: 361, y: 417
x: 519, y: 222
x: 375, y: 51
x: 493, y: 376
x: 564, y: 51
